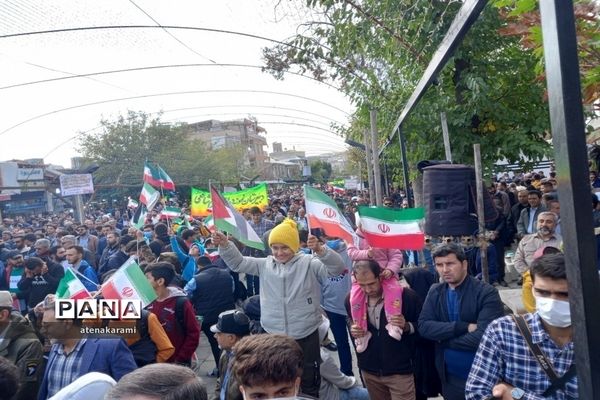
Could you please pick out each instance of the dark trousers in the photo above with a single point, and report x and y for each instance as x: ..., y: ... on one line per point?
x: 214, y: 345
x: 311, y: 376
x: 252, y: 285
x: 339, y: 327
x: 453, y: 388
x: 500, y: 265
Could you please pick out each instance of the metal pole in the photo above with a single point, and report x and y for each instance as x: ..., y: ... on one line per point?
x: 368, y: 154
x: 568, y: 137
x: 360, y: 179
x: 407, y: 190
x: 79, y: 212
x: 385, y: 177
x: 375, y: 152
x: 480, y: 216
x: 446, y: 135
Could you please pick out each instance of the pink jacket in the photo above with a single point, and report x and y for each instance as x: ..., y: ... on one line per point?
x: 386, y: 258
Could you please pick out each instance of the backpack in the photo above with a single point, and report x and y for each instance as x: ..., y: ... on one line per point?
x: 144, y: 350
x: 179, y: 312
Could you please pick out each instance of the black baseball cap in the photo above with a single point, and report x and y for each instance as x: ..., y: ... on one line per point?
x: 233, y: 322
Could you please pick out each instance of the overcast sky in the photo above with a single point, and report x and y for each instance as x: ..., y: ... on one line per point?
x: 36, y: 118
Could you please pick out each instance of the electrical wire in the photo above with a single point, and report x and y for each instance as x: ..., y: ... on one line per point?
x: 170, y: 34
x: 168, y: 94
x: 152, y: 67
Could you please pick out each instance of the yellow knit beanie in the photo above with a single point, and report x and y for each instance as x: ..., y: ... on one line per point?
x: 286, y: 233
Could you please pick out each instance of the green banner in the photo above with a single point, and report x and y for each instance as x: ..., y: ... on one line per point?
x: 242, y: 199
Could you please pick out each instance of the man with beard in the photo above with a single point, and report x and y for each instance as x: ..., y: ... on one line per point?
x: 58, y: 255
x: 112, y: 247
x: 544, y: 237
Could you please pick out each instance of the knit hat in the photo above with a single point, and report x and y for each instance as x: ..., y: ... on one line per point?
x: 286, y: 233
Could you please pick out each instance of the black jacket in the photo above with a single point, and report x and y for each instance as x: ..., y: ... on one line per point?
x: 37, y: 287
x: 213, y: 293
x: 479, y: 304
x: 385, y: 355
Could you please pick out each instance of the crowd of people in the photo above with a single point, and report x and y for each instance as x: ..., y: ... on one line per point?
x: 421, y: 323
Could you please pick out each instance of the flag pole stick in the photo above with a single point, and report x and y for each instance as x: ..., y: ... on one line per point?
x: 307, y: 216
x: 83, y: 276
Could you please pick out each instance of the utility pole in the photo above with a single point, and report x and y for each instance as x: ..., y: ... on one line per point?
x: 375, y: 152
x: 480, y: 214
x: 446, y: 135
x: 368, y: 153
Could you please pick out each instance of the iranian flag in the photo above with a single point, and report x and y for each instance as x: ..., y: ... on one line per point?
x: 393, y: 229
x: 322, y: 212
x: 149, y: 196
x: 129, y: 283
x: 131, y: 203
x: 170, y: 212
x: 157, y: 177
x: 227, y: 219
x: 70, y: 287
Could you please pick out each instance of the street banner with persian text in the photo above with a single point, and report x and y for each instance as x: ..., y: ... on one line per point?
x: 240, y: 200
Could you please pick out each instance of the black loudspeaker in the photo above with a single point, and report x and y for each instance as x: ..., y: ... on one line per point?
x: 450, y: 200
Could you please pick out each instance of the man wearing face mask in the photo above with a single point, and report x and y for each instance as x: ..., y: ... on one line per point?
x: 505, y: 365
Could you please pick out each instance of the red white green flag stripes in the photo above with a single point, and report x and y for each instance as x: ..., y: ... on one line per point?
x: 322, y: 212
x: 70, y: 287
x: 157, y: 177
x: 149, y: 196
x: 129, y: 283
x: 227, y: 219
x: 393, y: 229
x: 170, y: 212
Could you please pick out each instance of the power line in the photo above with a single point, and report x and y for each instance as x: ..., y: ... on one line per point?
x: 145, y: 68
x: 252, y: 114
x: 169, y: 94
x: 170, y: 34
x: 224, y: 31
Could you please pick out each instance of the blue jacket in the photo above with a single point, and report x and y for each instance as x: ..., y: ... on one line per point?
x: 188, y: 262
x: 86, y: 270
x: 108, y: 356
x: 479, y: 304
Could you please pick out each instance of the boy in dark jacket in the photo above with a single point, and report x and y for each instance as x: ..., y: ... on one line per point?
x: 183, y: 334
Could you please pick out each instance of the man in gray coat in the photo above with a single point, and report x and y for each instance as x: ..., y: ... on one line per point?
x: 290, y: 289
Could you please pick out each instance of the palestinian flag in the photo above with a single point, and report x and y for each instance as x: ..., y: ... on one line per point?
x: 70, y: 287
x: 227, y: 219
x: 129, y: 283
x: 170, y: 212
x: 322, y: 212
x: 139, y: 218
x: 157, y: 177
x: 149, y: 196
x: 393, y: 229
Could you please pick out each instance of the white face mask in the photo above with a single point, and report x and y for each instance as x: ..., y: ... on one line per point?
x: 555, y: 312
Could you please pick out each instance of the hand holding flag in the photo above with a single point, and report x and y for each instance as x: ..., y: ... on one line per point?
x: 227, y: 219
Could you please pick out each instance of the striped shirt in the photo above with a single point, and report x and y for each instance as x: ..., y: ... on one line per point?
x: 504, y: 356
x: 65, y: 368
